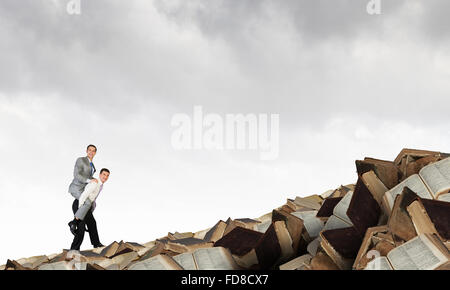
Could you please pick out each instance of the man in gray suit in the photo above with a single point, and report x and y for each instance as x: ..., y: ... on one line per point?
x: 83, y: 174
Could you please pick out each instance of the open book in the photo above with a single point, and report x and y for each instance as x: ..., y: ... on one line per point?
x: 217, y: 258
x: 432, y: 182
x: 159, y: 262
x: 298, y: 263
x: 118, y: 262
x: 312, y: 224
x: 341, y: 245
x: 410, y: 161
x: 424, y: 252
x: 377, y: 241
x: 294, y: 226
x: 431, y: 216
x: 186, y: 245
x: 339, y: 218
x: 254, y: 250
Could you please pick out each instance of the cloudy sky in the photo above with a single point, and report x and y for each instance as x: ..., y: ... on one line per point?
x: 345, y: 84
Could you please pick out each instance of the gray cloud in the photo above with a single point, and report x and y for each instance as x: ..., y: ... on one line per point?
x: 313, y: 20
x: 304, y: 59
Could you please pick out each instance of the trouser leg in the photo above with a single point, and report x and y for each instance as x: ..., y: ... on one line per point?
x: 92, y: 228
x: 79, y: 235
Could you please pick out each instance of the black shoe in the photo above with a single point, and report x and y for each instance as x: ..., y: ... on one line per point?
x: 73, y: 227
x: 99, y: 246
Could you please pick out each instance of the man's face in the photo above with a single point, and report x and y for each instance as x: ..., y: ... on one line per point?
x: 91, y: 151
x: 104, y: 176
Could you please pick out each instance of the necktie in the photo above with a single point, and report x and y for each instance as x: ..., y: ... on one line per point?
x: 101, y: 187
x: 92, y: 168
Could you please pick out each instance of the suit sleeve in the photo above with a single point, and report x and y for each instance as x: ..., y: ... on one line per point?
x: 83, y: 210
x: 86, y: 193
x: 77, y: 172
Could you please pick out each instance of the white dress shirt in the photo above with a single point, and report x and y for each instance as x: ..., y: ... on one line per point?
x: 91, y: 192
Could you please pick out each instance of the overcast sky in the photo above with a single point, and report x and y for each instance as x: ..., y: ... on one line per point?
x: 346, y: 85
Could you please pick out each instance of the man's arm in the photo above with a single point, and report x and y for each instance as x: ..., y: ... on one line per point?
x: 83, y: 210
x: 87, y: 192
x: 77, y: 172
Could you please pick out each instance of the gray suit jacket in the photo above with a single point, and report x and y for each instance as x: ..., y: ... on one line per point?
x: 81, y: 174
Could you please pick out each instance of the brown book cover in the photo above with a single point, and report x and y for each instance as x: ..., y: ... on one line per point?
x: 217, y: 231
x: 158, y: 248
x: 326, y: 210
x: 413, y: 167
x: 123, y: 248
x: 399, y: 222
x: 363, y: 211
x: 268, y: 249
x: 209, y: 233
x: 417, y: 153
x: 94, y: 267
x: 439, y: 213
x: 60, y: 257
x: 367, y: 243
x: 110, y: 250
x: 386, y: 171
x: 294, y: 226
x: 322, y: 262
x: 239, y: 241
x: 345, y: 241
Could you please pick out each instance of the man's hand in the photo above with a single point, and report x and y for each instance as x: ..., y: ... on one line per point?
x: 94, y: 180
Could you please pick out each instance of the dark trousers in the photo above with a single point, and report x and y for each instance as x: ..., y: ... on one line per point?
x: 89, y: 220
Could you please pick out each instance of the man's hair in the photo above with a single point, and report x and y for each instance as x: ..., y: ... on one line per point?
x: 91, y: 146
x: 105, y: 170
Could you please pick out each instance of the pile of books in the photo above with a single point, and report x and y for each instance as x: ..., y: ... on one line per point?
x: 396, y: 216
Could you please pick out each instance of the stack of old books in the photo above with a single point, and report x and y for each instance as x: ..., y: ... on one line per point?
x: 396, y: 216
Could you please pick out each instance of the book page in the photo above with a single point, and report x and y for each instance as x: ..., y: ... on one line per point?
x: 327, y: 193
x: 296, y: 263
x: 104, y: 263
x: 262, y: 227
x: 312, y: 202
x: 437, y: 176
x: 444, y: 197
x: 379, y: 263
x: 124, y: 259
x: 416, y: 254
x: 375, y: 185
x: 334, y: 223
x: 313, y: 225
x: 284, y: 239
x: 415, y: 183
x: 33, y: 262
x: 420, y: 218
x: 400, y: 259
x: 156, y: 263
x: 63, y: 265
x: 313, y: 246
x: 340, y: 210
x: 216, y: 258
x: 186, y: 260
